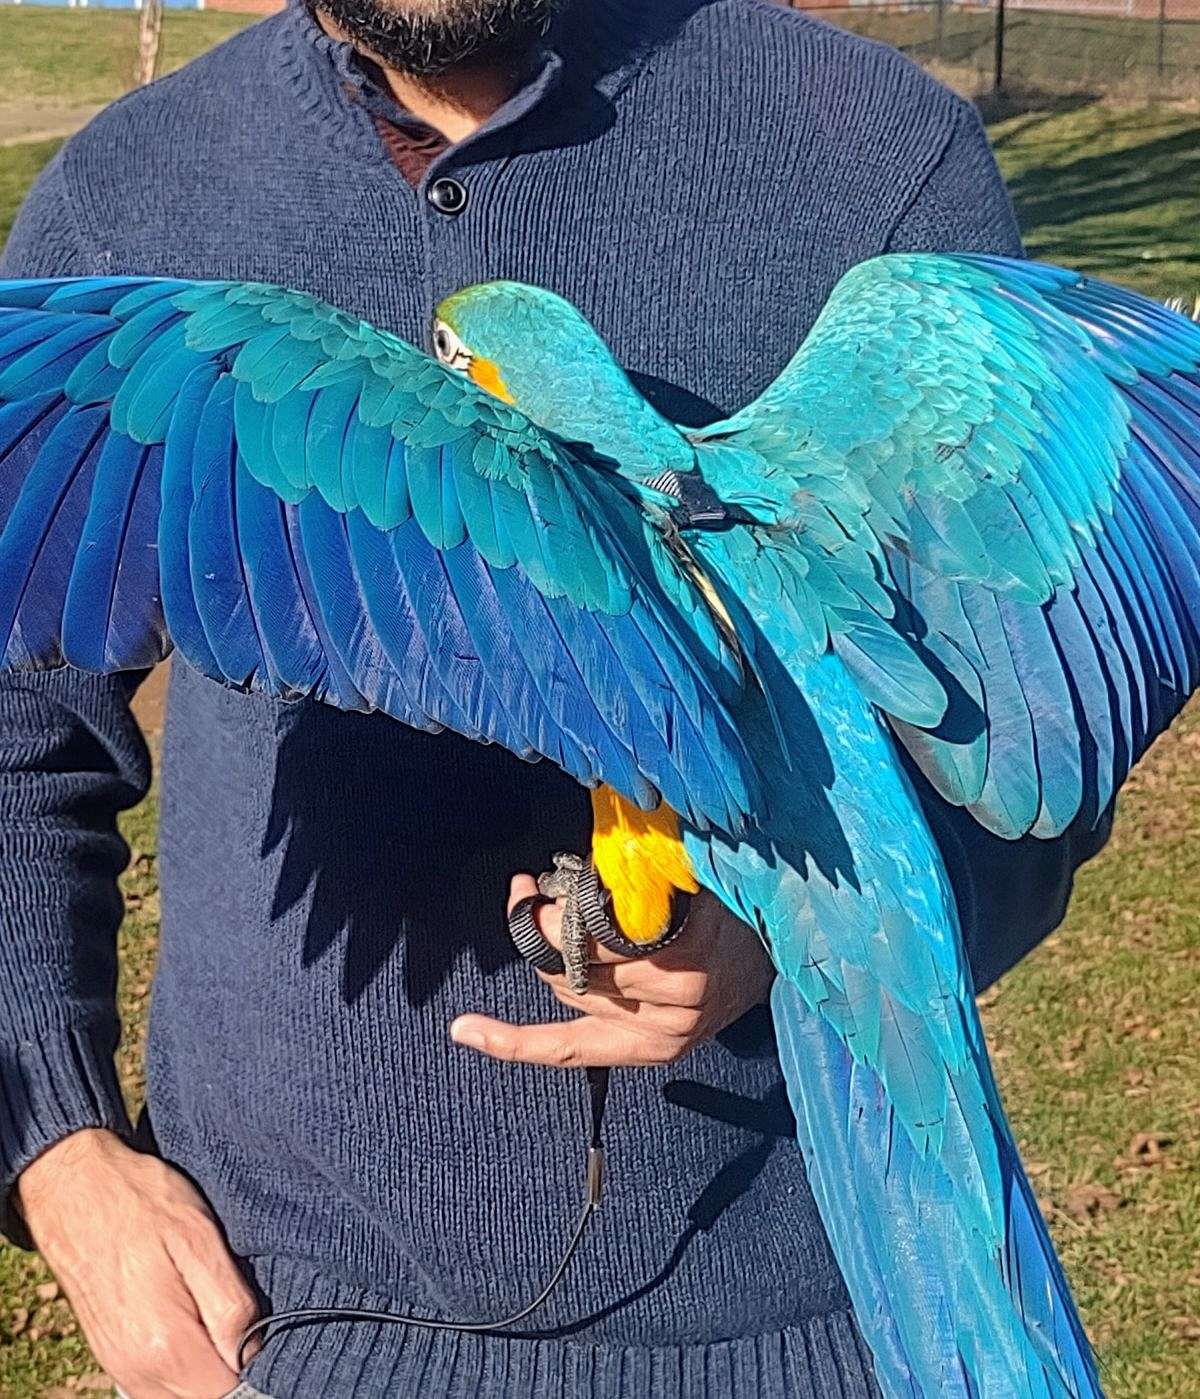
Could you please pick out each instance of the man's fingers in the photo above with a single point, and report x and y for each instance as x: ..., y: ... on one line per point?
x: 586, y: 1043
x: 223, y: 1298
x: 638, y: 979
x: 177, y: 1357
x: 161, y: 1348
x: 640, y: 1010
x: 643, y: 1017
x: 523, y: 886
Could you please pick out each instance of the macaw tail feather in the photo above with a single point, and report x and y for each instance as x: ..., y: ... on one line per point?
x: 948, y: 1312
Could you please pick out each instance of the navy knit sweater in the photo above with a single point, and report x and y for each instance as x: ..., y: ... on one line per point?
x: 333, y: 885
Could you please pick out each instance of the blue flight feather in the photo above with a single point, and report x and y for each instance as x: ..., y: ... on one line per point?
x: 177, y: 495
x: 217, y: 569
x: 37, y: 545
x: 118, y: 537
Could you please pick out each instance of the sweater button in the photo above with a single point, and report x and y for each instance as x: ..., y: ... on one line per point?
x: 448, y: 196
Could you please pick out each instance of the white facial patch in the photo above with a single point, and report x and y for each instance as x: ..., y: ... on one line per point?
x: 449, y: 349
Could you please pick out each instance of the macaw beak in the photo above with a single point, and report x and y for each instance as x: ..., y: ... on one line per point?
x: 486, y: 373
x: 451, y: 351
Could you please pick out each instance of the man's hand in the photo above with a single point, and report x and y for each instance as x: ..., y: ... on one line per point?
x: 641, y: 1010
x: 144, y: 1264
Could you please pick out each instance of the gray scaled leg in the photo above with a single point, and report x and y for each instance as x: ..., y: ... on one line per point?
x: 587, y: 913
x: 562, y: 882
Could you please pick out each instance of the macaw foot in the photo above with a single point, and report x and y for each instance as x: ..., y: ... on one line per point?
x: 569, y: 879
x: 587, y: 913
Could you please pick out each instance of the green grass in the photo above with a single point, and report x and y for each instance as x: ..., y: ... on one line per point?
x: 1045, y: 52
x: 55, y: 62
x: 19, y: 166
x: 1095, y: 1039
x: 1112, y: 190
x: 1095, y: 1033
x: 86, y: 56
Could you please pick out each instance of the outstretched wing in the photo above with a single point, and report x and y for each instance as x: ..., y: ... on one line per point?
x: 305, y: 505
x: 983, y: 481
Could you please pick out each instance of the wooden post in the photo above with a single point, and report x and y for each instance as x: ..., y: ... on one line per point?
x: 1162, y: 39
x: 149, y: 36
x: 998, y: 75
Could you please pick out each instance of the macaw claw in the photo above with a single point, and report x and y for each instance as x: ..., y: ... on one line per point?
x: 573, y: 878
x: 587, y: 914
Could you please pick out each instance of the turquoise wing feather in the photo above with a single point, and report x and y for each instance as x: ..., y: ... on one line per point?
x: 949, y: 1266
x: 306, y: 505
x: 980, y: 482
x: 971, y: 502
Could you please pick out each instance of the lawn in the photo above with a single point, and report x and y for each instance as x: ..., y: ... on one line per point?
x: 1044, y: 51
x: 86, y: 55
x: 56, y: 66
x: 19, y: 165
x: 1095, y: 1033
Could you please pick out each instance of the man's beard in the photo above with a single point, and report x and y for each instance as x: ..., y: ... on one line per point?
x: 426, y: 37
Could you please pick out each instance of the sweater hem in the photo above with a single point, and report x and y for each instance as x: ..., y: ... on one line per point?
x: 817, y: 1357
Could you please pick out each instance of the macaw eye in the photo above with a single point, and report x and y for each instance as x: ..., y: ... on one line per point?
x: 449, y: 348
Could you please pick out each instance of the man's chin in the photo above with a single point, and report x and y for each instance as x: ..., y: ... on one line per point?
x: 427, y: 37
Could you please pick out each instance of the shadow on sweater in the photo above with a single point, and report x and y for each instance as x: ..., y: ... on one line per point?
x: 768, y: 1119
x: 440, y: 826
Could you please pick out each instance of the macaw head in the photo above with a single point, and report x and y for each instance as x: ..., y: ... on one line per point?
x: 535, y: 350
x: 498, y: 331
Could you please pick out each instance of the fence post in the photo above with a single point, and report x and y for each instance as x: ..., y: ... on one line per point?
x: 998, y: 76
x: 940, y: 27
x: 1161, y: 45
x: 149, y: 36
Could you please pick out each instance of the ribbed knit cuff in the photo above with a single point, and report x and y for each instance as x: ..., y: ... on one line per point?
x: 50, y: 1087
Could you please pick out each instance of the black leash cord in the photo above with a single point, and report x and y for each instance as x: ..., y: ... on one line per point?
x: 594, y: 1182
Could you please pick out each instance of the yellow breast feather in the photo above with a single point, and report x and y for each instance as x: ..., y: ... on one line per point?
x: 639, y: 856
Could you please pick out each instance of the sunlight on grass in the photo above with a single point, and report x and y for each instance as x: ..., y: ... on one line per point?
x: 1114, y: 191
x: 87, y: 55
x: 19, y: 167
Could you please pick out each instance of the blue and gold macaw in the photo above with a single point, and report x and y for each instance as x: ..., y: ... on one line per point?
x: 965, y: 520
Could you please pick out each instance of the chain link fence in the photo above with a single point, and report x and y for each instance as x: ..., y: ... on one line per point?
x: 1130, y: 49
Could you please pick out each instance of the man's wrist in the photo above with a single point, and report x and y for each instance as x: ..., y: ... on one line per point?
x: 44, y: 1174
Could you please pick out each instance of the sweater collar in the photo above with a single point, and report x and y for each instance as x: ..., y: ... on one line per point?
x: 598, y: 43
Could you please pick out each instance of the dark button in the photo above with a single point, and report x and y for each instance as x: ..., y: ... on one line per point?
x: 448, y: 196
